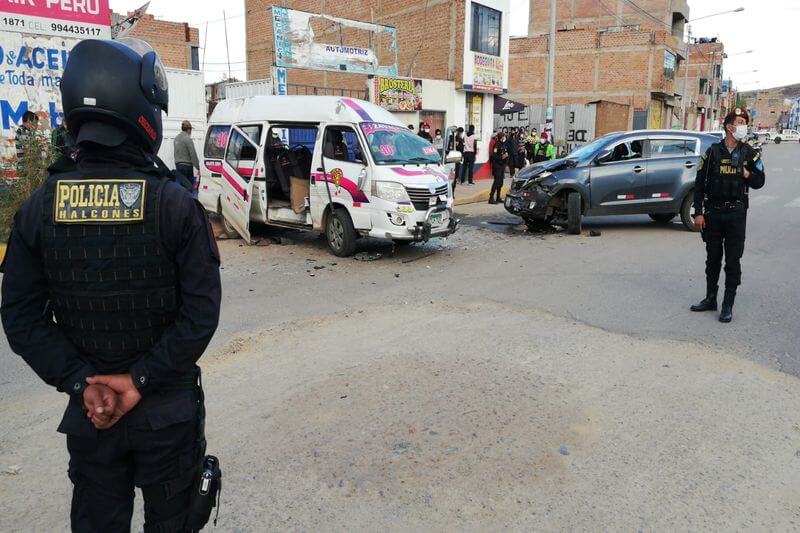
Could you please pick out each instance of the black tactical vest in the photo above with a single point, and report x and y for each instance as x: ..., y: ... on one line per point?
x: 113, y: 288
x: 725, y: 181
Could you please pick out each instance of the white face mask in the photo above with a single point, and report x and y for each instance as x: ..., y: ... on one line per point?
x: 740, y: 133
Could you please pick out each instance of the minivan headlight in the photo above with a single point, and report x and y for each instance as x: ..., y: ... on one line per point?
x: 390, y: 191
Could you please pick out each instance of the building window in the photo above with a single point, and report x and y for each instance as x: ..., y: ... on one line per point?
x: 486, y: 30
x: 704, y: 86
x: 195, y: 58
x: 669, y: 65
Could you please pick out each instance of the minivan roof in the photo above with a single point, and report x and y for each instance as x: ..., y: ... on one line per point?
x: 299, y: 109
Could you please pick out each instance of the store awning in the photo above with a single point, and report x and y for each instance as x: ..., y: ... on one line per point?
x: 503, y: 106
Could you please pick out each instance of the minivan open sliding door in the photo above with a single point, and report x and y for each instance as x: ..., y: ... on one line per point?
x: 241, y: 155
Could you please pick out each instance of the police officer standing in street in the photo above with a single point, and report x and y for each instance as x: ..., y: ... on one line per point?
x: 111, y: 294
x: 725, y: 174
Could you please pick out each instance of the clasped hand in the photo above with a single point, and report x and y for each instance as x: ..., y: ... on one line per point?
x: 108, y: 398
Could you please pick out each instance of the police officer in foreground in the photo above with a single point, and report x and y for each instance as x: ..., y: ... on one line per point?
x: 727, y: 171
x: 111, y: 294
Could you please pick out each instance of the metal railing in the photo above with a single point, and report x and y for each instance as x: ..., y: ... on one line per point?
x: 314, y: 90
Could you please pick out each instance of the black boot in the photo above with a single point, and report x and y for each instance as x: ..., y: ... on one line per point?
x: 709, y: 303
x: 726, y: 313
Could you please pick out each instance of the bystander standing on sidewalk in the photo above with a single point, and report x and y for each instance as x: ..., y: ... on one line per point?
x: 185, y: 154
x: 499, y: 158
x: 25, y: 132
x: 470, y: 147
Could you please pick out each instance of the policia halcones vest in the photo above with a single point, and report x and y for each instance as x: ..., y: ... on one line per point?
x: 725, y: 181
x: 113, y: 288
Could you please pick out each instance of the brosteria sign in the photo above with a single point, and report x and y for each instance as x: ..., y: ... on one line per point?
x: 65, y: 18
x: 398, y: 94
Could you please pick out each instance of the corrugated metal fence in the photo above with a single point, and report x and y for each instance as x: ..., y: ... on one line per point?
x: 574, y: 124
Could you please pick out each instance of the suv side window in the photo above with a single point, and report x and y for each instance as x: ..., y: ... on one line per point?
x: 661, y: 148
x: 627, y: 150
x: 216, y: 141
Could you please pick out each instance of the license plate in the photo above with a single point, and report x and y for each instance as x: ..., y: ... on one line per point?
x: 437, y: 219
x: 508, y: 201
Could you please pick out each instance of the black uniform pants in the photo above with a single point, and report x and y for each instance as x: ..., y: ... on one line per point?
x: 724, y: 235
x: 466, y: 167
x: 153, y: 447
x: 498, y: 173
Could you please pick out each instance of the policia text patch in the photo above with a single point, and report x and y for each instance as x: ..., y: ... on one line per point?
x: 107, y: 201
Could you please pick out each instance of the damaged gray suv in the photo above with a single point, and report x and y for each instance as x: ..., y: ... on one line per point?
x: 646, y: 172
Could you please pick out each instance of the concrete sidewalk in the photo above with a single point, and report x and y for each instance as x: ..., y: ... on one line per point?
x: 479, y: 192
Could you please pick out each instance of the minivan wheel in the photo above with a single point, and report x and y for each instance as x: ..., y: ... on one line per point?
x: 777, y: 140
x: 663, y: 218
x: 574, y: 213
x: 340, y: 233
x: 687, y: 209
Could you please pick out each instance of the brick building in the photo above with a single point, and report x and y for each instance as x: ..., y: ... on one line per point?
x: 605, y: 50
x: 771, y: 108
x: 668, y: 15
x: 435, y: 44
x: 705, y: 105
x: 177, y: 43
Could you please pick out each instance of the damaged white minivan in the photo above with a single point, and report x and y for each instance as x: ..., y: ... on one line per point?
x: 340, y: 166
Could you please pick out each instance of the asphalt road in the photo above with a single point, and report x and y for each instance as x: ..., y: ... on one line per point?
x: 499, y: 380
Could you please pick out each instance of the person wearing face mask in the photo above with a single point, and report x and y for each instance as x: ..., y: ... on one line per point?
x: 438, y: 141
x: 726, y: 173
x: 425, y: 131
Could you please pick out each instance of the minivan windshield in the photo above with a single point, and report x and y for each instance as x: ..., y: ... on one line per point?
x: 396, y: 145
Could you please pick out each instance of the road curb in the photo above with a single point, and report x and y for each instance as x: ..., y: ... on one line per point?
x: 482, y: 196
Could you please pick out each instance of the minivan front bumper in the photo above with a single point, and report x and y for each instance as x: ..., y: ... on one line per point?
x: 419, y: 227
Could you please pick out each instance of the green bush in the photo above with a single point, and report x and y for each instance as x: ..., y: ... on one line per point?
x: 32, y: 173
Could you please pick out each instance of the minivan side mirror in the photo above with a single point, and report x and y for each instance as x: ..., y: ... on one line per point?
x: 604, y: 156
x: 362, y: 179
x: 453, y: 156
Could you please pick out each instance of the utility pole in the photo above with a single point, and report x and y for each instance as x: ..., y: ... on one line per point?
x: 551, y: 69
x: 684, y: 121
x: 713, y: 88
x: 227, y: 48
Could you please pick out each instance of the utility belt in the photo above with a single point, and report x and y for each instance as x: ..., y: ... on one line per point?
x: 725, y: 206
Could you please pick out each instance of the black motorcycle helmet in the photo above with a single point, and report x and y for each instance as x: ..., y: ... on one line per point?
x: 113, y: 90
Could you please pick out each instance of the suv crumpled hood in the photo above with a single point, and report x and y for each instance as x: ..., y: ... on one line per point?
x: 533, y: 170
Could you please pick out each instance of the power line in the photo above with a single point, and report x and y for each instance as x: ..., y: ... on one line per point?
x: 635, y: 6
x: 610, y: 12
x: 216, y: 20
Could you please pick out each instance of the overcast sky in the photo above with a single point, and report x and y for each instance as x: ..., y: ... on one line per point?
x: 768, y: 27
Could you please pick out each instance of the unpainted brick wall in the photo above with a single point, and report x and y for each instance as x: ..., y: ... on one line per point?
x: 429, y: 35
x: 172, y: 40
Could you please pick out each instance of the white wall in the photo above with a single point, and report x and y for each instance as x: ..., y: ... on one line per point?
x: 469, y: 56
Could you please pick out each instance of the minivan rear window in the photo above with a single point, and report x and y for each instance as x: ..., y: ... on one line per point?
x: 216, y: 141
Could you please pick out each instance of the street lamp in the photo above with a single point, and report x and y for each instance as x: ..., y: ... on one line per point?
x: 688, y: 42
x: 737, y: 10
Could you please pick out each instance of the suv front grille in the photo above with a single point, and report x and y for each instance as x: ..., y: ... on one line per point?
x: 421, y: 196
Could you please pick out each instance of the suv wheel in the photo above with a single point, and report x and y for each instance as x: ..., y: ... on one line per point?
x: 663, y: 218
x: 574, y: 213
x: 777, y: 140
x: 340, y: 233
x: 687, y: 209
